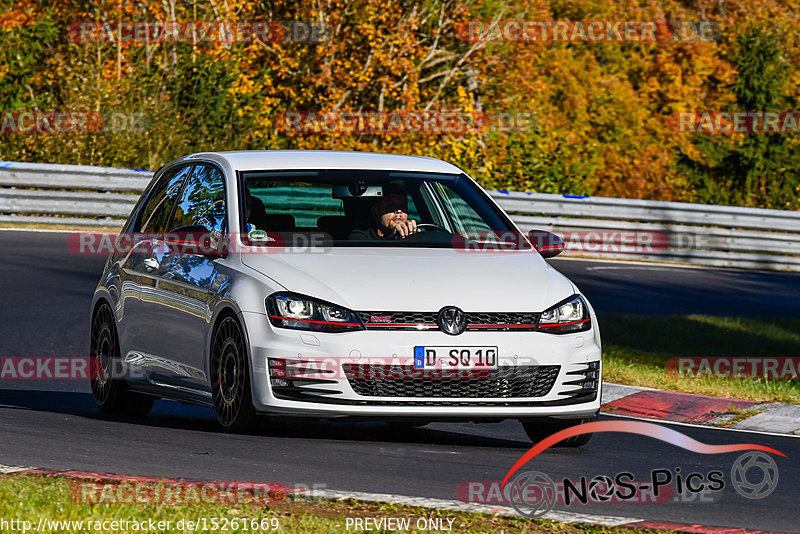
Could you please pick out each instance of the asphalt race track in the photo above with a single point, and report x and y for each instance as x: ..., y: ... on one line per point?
x: 45, y: 304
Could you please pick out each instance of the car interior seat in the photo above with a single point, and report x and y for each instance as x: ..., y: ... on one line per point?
x: 338, y: 226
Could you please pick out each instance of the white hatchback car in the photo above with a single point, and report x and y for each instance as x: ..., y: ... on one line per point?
x: 339, y: 285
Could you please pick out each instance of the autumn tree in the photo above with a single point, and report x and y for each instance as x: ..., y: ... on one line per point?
x: 600, y: 109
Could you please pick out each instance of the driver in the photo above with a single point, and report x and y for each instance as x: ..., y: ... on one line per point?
x: 390, y: 213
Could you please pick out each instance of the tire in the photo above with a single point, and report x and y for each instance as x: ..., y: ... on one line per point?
x: 537, y: 430
x: 230, y: 378
x: 109, y: 389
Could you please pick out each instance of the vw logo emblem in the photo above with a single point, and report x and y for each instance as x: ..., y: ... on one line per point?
x: 452, y: 320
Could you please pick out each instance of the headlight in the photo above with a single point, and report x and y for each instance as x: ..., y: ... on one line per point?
x: 289, y: 310
x: 570, y: 315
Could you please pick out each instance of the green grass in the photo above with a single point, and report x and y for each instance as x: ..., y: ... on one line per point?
x: 636, y: 349
x: 29, y: 497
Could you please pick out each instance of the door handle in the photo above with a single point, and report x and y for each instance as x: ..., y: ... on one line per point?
x: 150, y: 264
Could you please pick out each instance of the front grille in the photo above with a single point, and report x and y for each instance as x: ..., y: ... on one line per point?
x: 398, y: 320
x: 502, y: 321
x: 526, y: 381
x: 483, y: 321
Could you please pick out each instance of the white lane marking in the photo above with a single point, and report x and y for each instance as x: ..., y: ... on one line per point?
x: 693, y: 425
x: 442, y: 504
x: 46, y: 230
x: 6, y: 469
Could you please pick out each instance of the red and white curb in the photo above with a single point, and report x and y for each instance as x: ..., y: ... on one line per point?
x: 670, y: 406
x: 403, y: 500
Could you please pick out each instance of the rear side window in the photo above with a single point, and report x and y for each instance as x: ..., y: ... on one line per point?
x: 202, y: 201
x: 155, y: 214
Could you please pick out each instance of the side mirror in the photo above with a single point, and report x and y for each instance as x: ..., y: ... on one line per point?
x: 196, y: 239
x: 547, y: 244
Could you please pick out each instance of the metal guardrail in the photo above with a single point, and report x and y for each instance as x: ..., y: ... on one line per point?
x: 76, y: 195
x: 723, y: 236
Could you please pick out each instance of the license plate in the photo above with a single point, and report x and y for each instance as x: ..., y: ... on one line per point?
x: 455, y: 357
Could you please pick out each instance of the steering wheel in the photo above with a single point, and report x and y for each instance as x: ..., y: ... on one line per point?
x: 433, y: 226
x: 438, y: 233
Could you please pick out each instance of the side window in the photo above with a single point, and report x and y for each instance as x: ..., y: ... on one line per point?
x: 155, y: 214
x: 464, y: 217
x: 202, y: 201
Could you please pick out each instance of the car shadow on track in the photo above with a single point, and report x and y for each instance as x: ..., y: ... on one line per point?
x: 164, y: 414
x: 379, y: 431
x: 175, y: 415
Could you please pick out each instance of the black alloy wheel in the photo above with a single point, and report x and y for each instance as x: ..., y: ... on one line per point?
x: 230, y: 379
x: 109, y: 389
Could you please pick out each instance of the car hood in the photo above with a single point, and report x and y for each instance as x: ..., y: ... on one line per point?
x: 418, y: 279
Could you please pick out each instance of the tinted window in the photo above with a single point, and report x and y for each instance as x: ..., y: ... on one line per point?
x: 352, y: 206
x: 202, y: 201
x: 155, y: 214
x: 305, y: 202
x: 463, y: 217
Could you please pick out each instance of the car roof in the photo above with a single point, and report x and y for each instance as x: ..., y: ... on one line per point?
x: 251, y: 160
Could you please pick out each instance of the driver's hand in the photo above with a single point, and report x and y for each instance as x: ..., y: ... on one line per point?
x: 406, y: 228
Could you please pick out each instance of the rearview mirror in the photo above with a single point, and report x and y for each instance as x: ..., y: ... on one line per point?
x: 358, y: 188
x: 547, y: 244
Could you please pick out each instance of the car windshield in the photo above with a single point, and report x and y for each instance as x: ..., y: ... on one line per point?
x: 370, y: 208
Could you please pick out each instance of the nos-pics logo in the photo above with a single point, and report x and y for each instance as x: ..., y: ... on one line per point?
x: 754, y: 474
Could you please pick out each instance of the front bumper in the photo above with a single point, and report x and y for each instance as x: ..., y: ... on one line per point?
x: 330, y: 392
